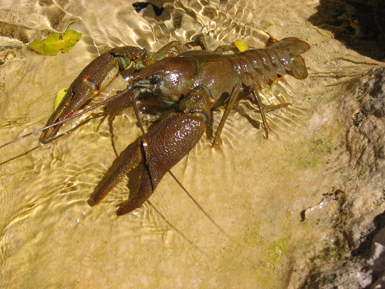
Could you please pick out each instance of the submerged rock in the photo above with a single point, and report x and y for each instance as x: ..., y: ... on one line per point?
x: 362, y: 213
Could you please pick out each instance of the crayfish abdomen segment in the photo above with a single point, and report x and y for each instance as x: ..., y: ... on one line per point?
x: 259, y: 67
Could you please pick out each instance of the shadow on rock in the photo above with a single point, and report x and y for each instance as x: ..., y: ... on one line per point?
x: 359, y: 24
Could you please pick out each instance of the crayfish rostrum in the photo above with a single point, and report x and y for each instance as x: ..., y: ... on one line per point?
x: 193, y: 82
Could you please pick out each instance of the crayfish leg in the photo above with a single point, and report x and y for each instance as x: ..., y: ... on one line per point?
x: 261, y: 108
x: 271, y: 40
x: 198, y: 42
x: 265, y: 108
x: 233, y: 97
x: 166, y: 50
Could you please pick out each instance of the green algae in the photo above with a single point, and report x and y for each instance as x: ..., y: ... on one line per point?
x: 276, y: 251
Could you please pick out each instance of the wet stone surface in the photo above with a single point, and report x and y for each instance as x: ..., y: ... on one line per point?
x: 362, y: 214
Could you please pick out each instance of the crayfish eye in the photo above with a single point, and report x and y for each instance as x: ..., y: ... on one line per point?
x: 155, y: 79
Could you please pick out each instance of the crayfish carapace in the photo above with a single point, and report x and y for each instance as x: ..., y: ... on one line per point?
x: 195, y: 82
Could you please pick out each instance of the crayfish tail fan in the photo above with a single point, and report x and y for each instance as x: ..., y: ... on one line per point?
x: 299, y: 69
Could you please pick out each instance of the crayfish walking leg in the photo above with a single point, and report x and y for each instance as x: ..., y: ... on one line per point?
x: 265, y: 108
x: 256, y: 101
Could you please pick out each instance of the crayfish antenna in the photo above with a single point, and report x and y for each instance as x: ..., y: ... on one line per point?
x: 127, y: 91
x: 175, y: 229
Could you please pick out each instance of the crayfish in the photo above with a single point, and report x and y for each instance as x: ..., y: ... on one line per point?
x: 193, y: 82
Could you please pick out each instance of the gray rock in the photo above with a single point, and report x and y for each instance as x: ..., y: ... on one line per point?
x: 362, y: 213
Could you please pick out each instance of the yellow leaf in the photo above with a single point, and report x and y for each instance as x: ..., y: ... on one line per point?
x: 56, y: 42
x: 241, y: 45
x: 59, y: 96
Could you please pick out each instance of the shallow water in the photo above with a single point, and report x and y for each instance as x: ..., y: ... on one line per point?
x: 254, y: 188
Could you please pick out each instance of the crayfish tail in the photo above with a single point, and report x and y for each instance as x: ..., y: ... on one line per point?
x: 299, y: 70
x: 289, y: 50
x: 292, y: 45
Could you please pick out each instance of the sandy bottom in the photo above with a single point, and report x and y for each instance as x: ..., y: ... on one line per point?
x: 254, y: 188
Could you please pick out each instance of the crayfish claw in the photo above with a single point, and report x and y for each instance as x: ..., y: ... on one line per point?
x: 145, y: 191
x: 129, y: 159
x: 158, y: 150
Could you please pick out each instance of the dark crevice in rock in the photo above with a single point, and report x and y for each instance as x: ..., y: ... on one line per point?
x: 364, y: 248
x: 359, y: 24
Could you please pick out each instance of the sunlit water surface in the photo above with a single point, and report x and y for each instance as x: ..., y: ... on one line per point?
x: 254, y: 188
